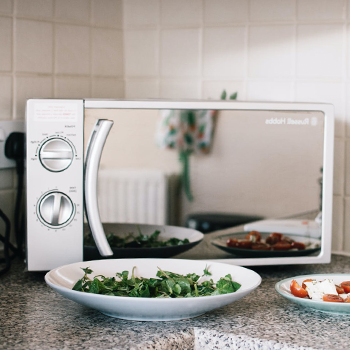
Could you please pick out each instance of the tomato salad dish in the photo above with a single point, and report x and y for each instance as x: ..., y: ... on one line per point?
x: 275, y: 241
x: 325, y: 290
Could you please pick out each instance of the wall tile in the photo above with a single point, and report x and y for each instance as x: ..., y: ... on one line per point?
x: 184, y: 89
x: 72, y: 87
x: 213, y: 89
x: 5, y: 97
x: 107, y: 88
x: 346, y: 246
x: 72, y: 51
x: 224, y: 52
x: 272, y: 10
x: 180, y: 53
x: 346, y: 168
x: 34, y: 50
x: 338, y: 224
x: 141, y: 89
x: 5, y: 44
x: 141, y: 13
x: 77, y: 10
x: 181, y: 12
x: 107, y: 13
x: 325, y: 92
x: 31, y: 87
x: 270, y: 91
x: 34, y: 8
x: 6, y: 6
x: 271, y: 51
x: 107, y: 56
x: 320, y: 51
x: 141, y: 48
x: 321, y: 10
x: 339, y: 158
x: 225, y: 11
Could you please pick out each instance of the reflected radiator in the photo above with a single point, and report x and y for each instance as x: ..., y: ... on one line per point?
x: 134, y: 196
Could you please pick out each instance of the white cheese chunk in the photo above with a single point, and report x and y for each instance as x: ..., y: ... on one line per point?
x: 316, y: 290
x: 344, y: 296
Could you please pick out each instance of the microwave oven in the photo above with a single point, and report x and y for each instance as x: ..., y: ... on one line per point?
x: 198, y: 164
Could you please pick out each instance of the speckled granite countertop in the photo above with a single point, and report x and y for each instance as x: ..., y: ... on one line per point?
x: 32, y: 316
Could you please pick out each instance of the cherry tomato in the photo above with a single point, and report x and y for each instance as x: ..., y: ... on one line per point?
x: 231, y: 242
x: 307, y: 280
x: 298, y: 245
x: 281, y: 246
x: 287, y: 239
x: 253, y: 236
x: 278, y: 235
x: 347, y: 299
x: 333, y: 298
x: 271, y: 240
x: 244, y: 244
x: 274, y: 238
x: 297, y: 291
x: 340, y: 290
x: 346, y: 286
x: 260, y: 246
x: 235, y: 243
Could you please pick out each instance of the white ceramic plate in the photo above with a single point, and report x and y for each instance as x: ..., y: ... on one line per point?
x: 62, y: 280
x: 283, y: 288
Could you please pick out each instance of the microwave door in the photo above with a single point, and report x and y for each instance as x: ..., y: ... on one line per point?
x: 92, y: 162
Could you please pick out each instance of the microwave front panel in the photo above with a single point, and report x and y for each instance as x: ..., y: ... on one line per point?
x: 54, y: 183
x: 265, y: 160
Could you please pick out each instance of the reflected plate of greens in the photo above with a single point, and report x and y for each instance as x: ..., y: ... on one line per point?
x: 142, y: 241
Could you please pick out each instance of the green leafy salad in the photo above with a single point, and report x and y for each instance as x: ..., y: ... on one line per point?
x: 167, y: 285
x: 139, y: 241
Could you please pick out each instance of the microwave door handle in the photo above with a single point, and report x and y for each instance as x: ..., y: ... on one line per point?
x: 92, y: 163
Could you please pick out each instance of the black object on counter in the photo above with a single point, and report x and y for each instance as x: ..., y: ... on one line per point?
x: 209, y: 222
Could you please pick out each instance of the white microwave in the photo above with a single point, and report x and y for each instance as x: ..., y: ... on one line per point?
x: 222, y: 169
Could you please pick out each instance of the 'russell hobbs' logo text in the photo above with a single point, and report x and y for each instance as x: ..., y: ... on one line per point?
x: 290, y: 121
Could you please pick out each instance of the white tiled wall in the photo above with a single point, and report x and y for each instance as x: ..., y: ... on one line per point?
x: 282, y: 50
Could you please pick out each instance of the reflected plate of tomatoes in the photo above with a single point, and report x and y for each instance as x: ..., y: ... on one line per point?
x: 284, y: 288
x: 245, y: 246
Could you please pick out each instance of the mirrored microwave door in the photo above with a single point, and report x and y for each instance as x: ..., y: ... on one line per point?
x: 214, y: 171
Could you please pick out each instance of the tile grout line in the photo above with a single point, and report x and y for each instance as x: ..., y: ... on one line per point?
x: 345, y: 91
x: 14, y: 80
x: 201, y: 52
x: 91, y: 30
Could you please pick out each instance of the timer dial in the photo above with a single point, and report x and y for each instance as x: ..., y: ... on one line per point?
x: 56, y: 155
x: 56, y: 209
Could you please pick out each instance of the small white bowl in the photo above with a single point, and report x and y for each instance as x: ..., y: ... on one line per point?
x: 62, y: 280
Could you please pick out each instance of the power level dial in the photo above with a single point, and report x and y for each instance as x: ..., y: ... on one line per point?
x: 56, y: 155
x: 56, y: 209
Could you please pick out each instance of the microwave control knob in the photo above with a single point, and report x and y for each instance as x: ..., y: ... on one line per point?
x: 56, y: 155
x: 56, y: 209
